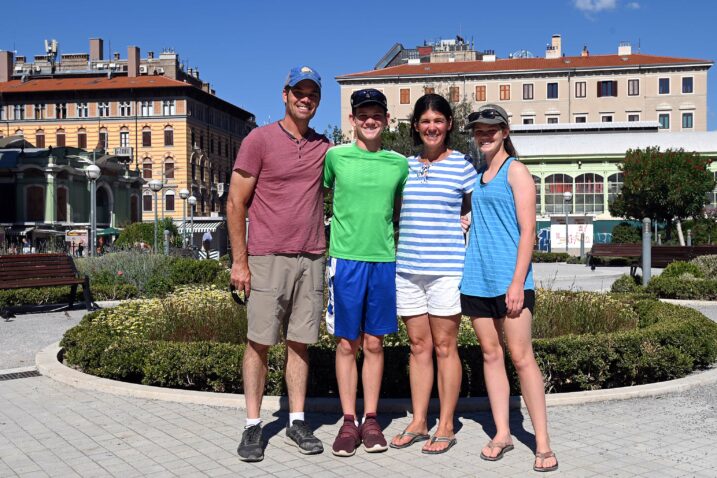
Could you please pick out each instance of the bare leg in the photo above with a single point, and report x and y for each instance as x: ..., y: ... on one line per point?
x: 297, y: 373
x: 490, y: 332
x: 532, y: 386
x: 347, y: 373
x: 372, y: 372
x: 254, y: 368
x: 445, y: 340
x: 420, y: 374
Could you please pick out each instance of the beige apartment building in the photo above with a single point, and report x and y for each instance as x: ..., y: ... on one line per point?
x: 621, y: 87
x: 160, y: 117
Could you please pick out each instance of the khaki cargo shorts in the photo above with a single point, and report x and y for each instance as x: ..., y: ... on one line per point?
x: 287, y: 298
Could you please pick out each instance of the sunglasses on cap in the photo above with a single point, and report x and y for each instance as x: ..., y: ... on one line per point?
x: 368, y: 96
x: 486, y: 114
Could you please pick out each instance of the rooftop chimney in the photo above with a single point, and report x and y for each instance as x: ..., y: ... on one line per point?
x: 96, y: 49
x: 132, y: 61
x: 116, y: 55
x: 150, y: 55
x: 6, y: 64
x: 624, y: 49
x: 554, y: 50
x: 585, y: 51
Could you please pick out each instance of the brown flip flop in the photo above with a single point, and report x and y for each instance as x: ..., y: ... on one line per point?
x: 504, y: 448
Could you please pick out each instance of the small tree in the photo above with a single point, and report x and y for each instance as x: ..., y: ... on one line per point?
x: 144, y: 232
x: 666, y: 186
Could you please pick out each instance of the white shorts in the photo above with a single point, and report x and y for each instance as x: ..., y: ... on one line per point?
x: 417, y: 294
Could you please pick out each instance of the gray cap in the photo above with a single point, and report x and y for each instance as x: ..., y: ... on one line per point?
x: 487, y: 114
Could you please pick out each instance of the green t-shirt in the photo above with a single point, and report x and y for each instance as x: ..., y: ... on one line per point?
x: 365, y: 186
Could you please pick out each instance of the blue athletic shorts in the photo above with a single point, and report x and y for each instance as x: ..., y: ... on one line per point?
x: 362, y: 298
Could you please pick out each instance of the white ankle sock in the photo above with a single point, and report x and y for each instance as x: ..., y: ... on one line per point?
x: 295, y: 416
x: 250, y: 422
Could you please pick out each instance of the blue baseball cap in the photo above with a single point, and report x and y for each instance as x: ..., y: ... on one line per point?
x: 301, y: 73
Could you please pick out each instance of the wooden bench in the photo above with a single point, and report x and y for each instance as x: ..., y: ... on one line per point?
x: 661, y: 256
x: 632, y: 252
x: 43, y: 270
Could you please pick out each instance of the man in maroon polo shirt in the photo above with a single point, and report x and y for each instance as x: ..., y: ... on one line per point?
x: 277, y: 179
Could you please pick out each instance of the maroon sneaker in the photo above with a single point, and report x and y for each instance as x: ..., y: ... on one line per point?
x: 371, y: 435
x: 348, y: 438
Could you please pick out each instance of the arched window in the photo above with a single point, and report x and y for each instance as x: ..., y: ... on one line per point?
x: 102, y: 143
x: 82, y: 138
x: 589, y: 194
x: 194, y: 168
x: 40, y: 138
x: 147, y: 201
x: 18, y: 132
x: 201, y: 170
x: 134, y: 215
x: 169, y: 168
x: 61, y: 210
x: 168, y: 136
x: 614, y: 186
x: 169, y: 200
x: 60, y: 138
x: 555, y: 186
x: 35, y: 200
x: 147, y: 168
x: 124, y: 137
x: 204, y: 202
x: 536, y: 180
x: 146, y: 137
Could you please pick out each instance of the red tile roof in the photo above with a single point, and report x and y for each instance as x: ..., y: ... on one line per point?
x: 34, y: 85
x: 525, y: 64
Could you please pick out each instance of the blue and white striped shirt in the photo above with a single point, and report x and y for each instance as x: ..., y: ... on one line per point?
x: 430, y: 237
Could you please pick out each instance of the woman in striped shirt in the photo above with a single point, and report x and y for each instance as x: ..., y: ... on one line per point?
x: 429, y: 265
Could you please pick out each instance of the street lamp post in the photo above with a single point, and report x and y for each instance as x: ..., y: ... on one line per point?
x: 155, y: 185
x: 567, y: 196
x: 192, y: 201
x: 93, y: 172
x: 184, y: 194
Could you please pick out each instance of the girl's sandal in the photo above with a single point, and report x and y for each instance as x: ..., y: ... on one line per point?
x: 542, y: 457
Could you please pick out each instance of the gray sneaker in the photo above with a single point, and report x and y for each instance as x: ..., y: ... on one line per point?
x: 251, y: 447
x: 300, y: 435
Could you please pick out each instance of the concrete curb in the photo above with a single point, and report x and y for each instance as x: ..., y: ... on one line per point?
x: 49, y: 364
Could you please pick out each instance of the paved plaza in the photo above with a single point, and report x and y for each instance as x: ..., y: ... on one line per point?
x: 49, y: 428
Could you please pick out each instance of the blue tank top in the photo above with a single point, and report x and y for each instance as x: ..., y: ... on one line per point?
x: 494, y: 235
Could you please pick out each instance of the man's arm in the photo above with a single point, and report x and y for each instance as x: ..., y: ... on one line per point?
x: 241, y: 189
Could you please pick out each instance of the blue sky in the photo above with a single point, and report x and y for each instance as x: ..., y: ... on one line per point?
x: 245, y: 49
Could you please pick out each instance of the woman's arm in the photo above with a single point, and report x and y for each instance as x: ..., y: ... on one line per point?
x: 521, y: 181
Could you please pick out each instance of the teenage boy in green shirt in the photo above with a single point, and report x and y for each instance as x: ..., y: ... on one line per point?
x: 367, y: 183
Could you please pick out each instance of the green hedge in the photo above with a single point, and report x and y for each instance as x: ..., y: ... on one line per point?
x: 550, y: 256
x: 671, y: 341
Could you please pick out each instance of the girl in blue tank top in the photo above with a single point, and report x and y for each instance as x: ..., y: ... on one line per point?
x: 497, y: 290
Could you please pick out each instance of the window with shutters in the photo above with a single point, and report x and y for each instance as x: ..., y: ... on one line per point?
x: 504, y: 92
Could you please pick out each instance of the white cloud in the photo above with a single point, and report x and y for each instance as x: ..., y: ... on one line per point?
x: 594, y: 6
x: 633, y: 6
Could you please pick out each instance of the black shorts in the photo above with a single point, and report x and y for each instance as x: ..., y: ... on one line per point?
x: 494, y: 307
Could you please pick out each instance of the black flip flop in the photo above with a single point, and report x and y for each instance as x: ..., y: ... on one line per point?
x: 504, y: 448
x: 415, y: 438
x: 451, y: 441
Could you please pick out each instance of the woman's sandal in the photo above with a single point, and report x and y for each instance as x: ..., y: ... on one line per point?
x: 504, y: 448
x: 543, y: 457
x: 415, y: 438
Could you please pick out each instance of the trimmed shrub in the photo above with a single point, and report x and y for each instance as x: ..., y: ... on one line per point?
x: 658, y: 341
x: 683, y: 288
x: 707, y: 264
x: 680, y: 268
x: 626, y: 283
x: 550, y: 256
